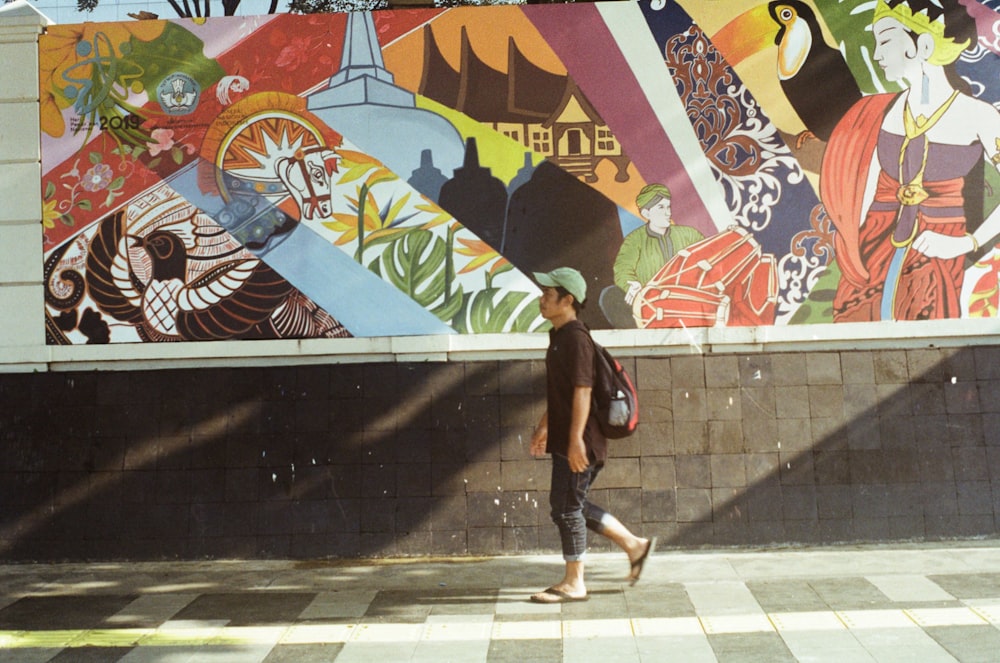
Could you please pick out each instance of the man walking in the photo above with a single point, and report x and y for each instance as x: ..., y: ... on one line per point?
x: 573, y: 438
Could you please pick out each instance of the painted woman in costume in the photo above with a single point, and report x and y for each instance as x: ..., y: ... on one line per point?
x: 905, y: 261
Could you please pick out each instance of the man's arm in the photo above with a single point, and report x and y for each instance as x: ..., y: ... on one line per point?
x: 577, y: 453
x: 540, y: 436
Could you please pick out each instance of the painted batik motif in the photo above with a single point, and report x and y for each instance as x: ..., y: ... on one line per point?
x: 763, y: 183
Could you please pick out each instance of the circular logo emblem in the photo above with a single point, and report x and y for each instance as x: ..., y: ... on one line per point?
x: 178, y: 94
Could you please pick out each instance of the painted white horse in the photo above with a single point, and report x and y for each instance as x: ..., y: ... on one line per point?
x: 308, y: 175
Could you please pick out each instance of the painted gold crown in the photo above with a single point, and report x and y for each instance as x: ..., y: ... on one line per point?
x: 919, y: 22
x: 946, y: 50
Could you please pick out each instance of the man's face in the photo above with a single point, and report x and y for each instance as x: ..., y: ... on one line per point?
x: 657, y: 214
x: 551, y: 305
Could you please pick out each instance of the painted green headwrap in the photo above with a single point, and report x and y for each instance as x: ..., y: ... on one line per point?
x: 650, y: 193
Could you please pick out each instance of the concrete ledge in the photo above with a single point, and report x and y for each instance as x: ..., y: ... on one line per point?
x: 24, y: 359
x: 21, y: 254
x: 503, y: 347
x: 17, y: 327
x: 20, y: 21
x: 20, y: 139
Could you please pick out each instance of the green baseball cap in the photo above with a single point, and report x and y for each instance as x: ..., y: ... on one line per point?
x: 567, y: 277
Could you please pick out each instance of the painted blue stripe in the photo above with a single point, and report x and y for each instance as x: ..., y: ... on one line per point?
x: 891, y: 281
x: 361, y: 301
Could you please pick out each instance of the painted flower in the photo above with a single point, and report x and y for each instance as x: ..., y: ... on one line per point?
x: 98, y: 177
x: 58, y: 52
x: 164, y: 141
x: 296, y: 53
x: 50, y: 213
x: 480, y: 252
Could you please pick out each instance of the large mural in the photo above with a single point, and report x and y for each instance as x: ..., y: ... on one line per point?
x: 405, y: 172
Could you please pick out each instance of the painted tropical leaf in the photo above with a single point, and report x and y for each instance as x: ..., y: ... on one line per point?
x: 440, y: 216
x: 499, y: 267
x: 483, y: 315
x: 345, y: 224
x: 414, y: 263
x: 451, y: 306
x: 358, y: 164
x: 480, y: 252
x: 818, y: 307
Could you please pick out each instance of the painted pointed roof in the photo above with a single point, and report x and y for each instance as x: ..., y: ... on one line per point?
x: 362, y: 77
x: 362, y: 54
x: 381, y: 118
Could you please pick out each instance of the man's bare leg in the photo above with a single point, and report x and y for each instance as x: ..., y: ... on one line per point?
x: 571, y: 588
x: 636, y: 547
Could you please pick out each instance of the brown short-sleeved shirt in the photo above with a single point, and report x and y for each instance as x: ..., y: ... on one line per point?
x: 569, y: 363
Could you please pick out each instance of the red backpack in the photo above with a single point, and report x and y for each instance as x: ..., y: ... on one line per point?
x: 615, y: 402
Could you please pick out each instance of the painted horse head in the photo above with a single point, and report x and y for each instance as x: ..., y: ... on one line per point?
x: 308, y: 175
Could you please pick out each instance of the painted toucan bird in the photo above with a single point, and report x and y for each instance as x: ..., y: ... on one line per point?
x: 814, y: 76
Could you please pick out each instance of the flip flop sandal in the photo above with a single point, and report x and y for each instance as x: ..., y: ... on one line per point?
x: 638, y: 564
x: 553, y: 595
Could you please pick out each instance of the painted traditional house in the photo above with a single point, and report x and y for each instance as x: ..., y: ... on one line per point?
x: 546, y: 112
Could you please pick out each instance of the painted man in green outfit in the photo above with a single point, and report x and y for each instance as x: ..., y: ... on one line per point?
x: 647, y: 249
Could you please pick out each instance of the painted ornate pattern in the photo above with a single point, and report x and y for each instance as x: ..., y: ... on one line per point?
x: 763, y: 183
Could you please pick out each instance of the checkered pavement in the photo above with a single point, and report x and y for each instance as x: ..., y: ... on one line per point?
x: 880, y: 603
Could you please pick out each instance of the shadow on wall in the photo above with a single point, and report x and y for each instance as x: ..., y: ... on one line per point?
x: 843, y: 447
x: 432, y: 458
x: 300, y: 462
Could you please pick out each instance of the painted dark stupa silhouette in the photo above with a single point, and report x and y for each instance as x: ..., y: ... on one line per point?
x: 555, y: 220
x: 428, y: 178
x: 476, y: 198
x: 523, y: 175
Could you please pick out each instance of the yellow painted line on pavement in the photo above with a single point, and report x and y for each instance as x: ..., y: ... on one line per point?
x: 244, y: 635
x: 818, y: 620
x: 112, y: 637
x: 957, y: 616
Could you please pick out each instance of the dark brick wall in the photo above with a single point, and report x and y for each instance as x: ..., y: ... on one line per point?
x: 432, y: 458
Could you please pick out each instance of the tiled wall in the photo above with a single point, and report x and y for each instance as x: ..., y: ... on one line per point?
x: 431, y: 458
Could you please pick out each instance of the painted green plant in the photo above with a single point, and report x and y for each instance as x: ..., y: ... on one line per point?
x: 491, y: 309
x: 108, y: 68
x: 818, y: 306
x: 418, y: 260
x: 483, y: 313
x: 415, y: 263
x: 366, y: 222
x: 422, y: 264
